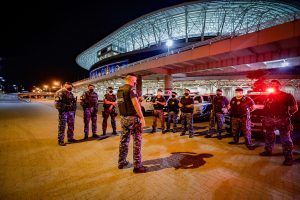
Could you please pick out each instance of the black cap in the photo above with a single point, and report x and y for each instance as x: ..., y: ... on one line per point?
x: 239, y: 90
x: 159, y: 90
x: 110, y: 88
x: 219, y: 90
x: 91, y: 85
x: 174, y: 93
x: 68, y: 83
x: 275, y: 81
x: 131, y: 74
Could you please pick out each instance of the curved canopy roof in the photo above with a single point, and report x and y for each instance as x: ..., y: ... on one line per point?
x: 194, y: 19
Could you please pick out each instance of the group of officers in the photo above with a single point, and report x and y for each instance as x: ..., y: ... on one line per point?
x: 279, y: 107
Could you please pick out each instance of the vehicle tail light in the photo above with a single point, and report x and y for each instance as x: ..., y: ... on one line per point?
x: 270, y: 90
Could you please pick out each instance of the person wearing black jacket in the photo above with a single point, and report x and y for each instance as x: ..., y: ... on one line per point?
x: 158, y: 103
x: 173, y: 109
x: 186, y: 105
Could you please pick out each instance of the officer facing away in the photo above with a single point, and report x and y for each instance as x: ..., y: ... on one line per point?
x: 186, y: 105
x: 173, y: 110
x: 65, y: 103
x: 220, y: 108
x: 132, y: 122
x: 158, y: 103
x: 109, y: 104
x: 89, y: 103
x: 240, y: 108
x: 279, y: 107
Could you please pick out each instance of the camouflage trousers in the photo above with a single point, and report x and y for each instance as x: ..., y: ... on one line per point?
x: 131, y: 126
x: 219, y: 118
x: 88, y: 115
x: 284, y: 126
x: 241, y: 124
x: 172, y: 116
x: 105, y: 115
x: 65, y: 118
x: 187, y: 122
x: 158, y: 114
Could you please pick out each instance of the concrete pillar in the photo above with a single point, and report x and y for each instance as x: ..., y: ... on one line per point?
x: 168, y: 83
x: 139, y: 85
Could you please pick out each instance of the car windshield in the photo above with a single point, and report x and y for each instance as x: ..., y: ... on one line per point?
x: 198, y: 98
x: 206, y: 98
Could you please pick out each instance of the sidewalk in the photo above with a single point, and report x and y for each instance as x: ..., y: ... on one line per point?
x: 33, y: 166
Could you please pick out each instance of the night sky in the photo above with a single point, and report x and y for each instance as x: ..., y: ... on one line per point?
x: 40, y: 40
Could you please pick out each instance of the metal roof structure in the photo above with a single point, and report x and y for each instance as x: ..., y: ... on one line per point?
x: 194, y: 19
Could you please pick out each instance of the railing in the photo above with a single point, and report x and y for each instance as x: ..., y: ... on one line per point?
x: 258, y: 27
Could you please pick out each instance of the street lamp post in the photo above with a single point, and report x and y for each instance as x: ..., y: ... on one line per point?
x: 169, y: 44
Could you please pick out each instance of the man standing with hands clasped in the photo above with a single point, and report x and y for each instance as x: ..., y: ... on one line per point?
x: 109, y: 105
x: 279, y: 107
x: 132, y: 122
x: 158, y: 103
x: 240, y: 108
x: 186, y: 105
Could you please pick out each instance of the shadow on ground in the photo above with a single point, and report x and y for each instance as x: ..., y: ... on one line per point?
x: 177, y: 160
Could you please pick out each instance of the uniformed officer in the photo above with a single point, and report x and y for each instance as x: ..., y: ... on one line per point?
x: 186, y: 105
x: 278, y: 108
x: 240, y: 108
x: 132, y: 122
x: 65, y: 103
x: 158, y: 103
x: 173, y: 110
x: 220, y: 106
x: 109, y: 104
x: 89, y: 103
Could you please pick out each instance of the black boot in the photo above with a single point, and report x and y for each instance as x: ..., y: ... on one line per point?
x: 265, y: 153
x: 115, y: 133
x: 249, y: 144
x: 141, y: 169
x: 153, y: 131
x: 61, y: 143
x: 288, y: 160
x: 72, y: 140
x: 125, y: 165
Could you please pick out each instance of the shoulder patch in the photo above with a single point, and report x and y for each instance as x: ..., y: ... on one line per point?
x: 57, y: 98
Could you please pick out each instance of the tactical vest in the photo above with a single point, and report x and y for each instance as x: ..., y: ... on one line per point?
x: 111, y: 98
x: 125, y: 105
x: 241, y: 109
x: 66, y: 101
x: 218, y: 103
x: 90, y: 99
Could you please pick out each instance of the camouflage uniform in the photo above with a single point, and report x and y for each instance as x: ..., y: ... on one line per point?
x: 277, y: 117
x: 89, y: 102
x: 220, y: 118
x: 187, y: 115
x: 187, y: 122
x: 131, y: 126
x: 173, y: 110
x: 219, y: 103
x: 240, y: 118
x: 109, y: 112
x: 65, y: 103
x: 158, y: 113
